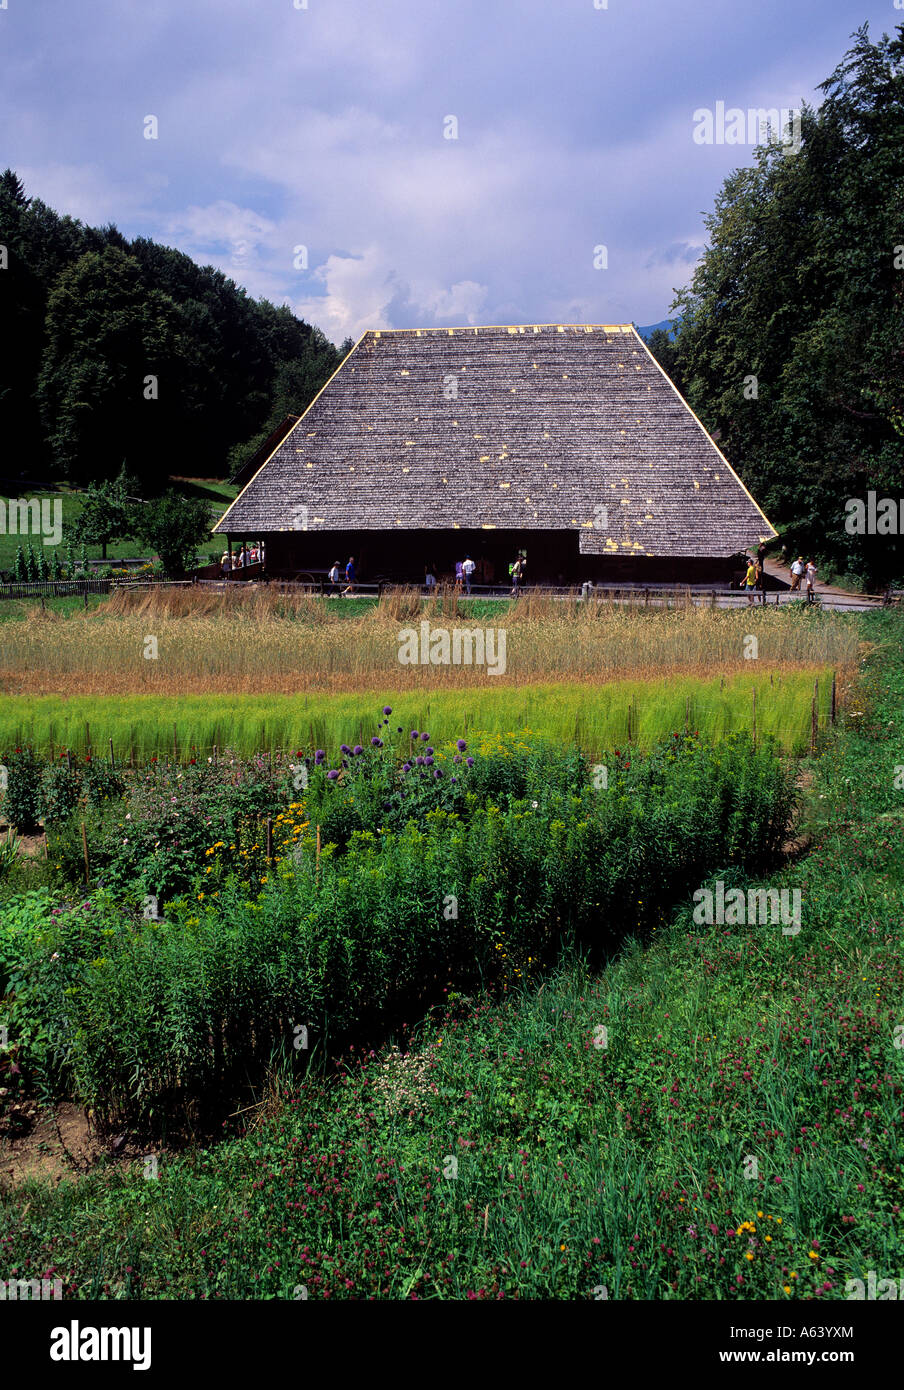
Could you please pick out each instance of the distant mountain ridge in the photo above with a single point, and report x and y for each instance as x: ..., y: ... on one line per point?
x: 647, y: 332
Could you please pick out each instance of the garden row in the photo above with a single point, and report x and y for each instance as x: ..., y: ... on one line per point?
x: 434, y: 868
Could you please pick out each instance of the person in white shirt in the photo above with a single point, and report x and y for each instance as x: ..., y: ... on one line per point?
x: 468, y: 569
x: 798, y: 570
x: 334, y: 580
x: 811, y: 582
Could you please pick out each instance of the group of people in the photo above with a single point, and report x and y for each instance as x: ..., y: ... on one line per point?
x: 804, y: 573
x: 244, y: 558
x: 464, y: 573
x: 803, y: 576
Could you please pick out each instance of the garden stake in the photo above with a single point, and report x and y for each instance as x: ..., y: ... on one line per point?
x: 85, y: 849
x: 69, y: 758
x: 112, y: 763
x: 318, y: 857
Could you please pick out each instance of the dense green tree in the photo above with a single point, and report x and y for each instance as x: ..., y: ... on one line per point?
x: 175, y: 526
x: 791, y: 341
x: 108, y: 513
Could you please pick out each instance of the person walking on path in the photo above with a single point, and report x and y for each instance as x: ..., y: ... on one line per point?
x: 226, y: 563
x: 334, y: 579
x: 811, y: 582
x: 517, y: 572
x: 350, y: 575
x: 467, y: 570
x: 430, y: 579
x: 459, y: 575
x: 798, y: 570
x: 750, y: 581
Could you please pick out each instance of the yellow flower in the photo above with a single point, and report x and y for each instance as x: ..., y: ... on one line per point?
x: 813, y: 1255
x: 749, y: 1255
x: 787, y: 1288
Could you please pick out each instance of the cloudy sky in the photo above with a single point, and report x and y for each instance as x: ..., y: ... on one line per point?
x: 327, y: 127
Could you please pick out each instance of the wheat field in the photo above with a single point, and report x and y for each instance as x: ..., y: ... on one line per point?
x: 191, y: 642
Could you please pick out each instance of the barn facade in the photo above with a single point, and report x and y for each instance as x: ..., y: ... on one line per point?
x: 565, y: 442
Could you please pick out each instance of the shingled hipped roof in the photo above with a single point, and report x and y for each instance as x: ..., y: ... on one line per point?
x: 541, y: 426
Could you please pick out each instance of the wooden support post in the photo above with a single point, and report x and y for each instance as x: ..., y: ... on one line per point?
x: 86, y: 594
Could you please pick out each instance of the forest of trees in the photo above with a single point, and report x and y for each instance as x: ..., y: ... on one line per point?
x: 790, y: 336
x: 128, y: 355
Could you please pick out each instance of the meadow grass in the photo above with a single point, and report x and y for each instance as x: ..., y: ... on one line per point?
x: 594, y: 716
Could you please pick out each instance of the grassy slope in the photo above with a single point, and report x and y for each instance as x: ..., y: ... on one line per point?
x: 579, y: 1165
x: 218, y: 494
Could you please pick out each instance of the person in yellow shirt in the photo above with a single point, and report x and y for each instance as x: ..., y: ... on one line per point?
x: 750, y: 581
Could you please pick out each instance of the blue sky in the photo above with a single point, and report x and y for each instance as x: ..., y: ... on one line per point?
x: 325, y: 128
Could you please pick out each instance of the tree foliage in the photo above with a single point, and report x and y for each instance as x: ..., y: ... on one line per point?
x: 174, y: 526
x: 92, y: 316
x: 791, y: 340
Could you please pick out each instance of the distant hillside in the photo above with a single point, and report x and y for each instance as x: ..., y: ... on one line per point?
x: 664, y: 324
x: 129, y: 353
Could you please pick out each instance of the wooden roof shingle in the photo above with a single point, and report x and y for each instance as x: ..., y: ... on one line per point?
x: 546, y: 426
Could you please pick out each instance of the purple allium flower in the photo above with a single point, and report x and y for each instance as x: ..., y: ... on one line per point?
x: 453, y: 779
x: 332, y: 774
x: 319, y: 757
x: 357, y: 750
x: 387, y: 709
x: 406, y: 767
x: 376, y: 743
x: 425, y: 738
x: 344, y: 748
x: 461, y: 745
x: 399, y: 729
x: 414, y: 733
x: 419, y: 761
x: 457, y: 758
x: 470, y: 762
x: 437, y: 772
x: 428, y: 762
x: 429, y: 750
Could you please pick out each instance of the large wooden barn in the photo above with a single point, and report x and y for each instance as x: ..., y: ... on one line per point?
x: 566, y: 442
